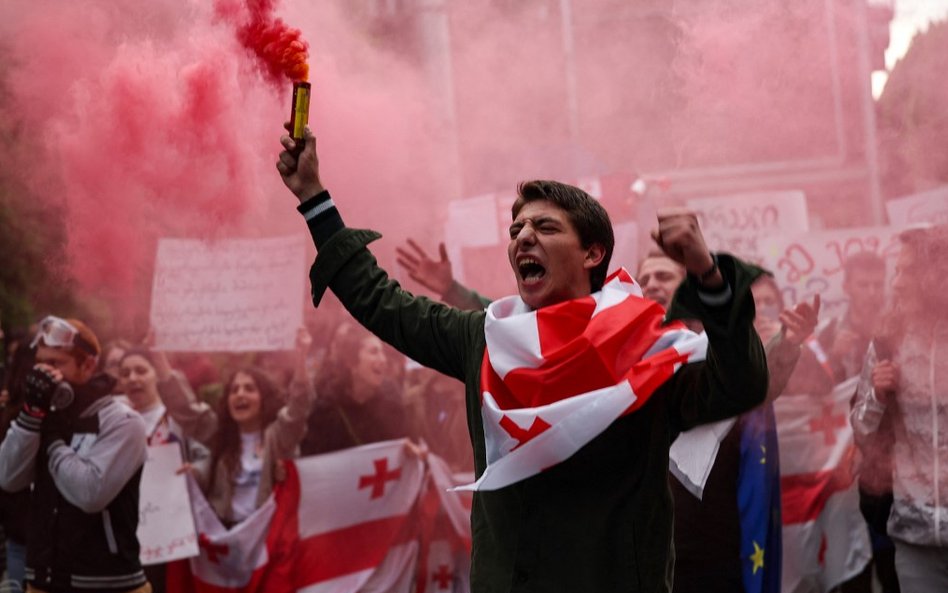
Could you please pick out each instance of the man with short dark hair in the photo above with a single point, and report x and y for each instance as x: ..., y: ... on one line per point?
x: 575, y: 388
x: 846, y: 340
x: 83, y: 452
x: 660, y: 277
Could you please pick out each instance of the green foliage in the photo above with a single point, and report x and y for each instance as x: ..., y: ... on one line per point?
x: 31, y: 236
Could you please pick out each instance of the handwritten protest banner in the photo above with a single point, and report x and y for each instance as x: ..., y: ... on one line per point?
x: 812, y: 263
x: 738, y: 223
x: 232, y: 295
x: 165, y: 523
x: 927, y: 207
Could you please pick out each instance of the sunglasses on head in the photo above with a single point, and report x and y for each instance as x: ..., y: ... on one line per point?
x: 56, y: 332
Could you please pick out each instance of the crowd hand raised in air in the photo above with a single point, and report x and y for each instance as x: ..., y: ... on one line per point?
x: 435, y: 275
x: 799, y: 322
x: 679, y: 236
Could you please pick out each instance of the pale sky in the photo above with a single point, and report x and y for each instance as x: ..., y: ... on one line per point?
x: 911, y: 16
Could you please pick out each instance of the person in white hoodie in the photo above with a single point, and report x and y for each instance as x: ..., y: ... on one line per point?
x: 903, y: 400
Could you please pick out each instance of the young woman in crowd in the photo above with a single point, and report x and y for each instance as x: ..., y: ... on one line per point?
x: 142, y: 375
x: 359, y: 402
x: 251, y: 430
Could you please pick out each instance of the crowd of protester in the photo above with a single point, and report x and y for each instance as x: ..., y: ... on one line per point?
x: 235, y: 417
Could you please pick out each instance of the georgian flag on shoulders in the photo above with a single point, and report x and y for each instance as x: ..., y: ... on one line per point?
x: 554, y: 378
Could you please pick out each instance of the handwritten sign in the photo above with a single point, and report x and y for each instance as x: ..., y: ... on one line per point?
x: 812, y: 263
x: 165, y: 525
x: 928, y: 207
x: 235, y: 295
x: 738, y: 223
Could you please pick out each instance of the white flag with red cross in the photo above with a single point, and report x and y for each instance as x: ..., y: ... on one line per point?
x: 340, y: 523
x: 445, y: 535
x: 254, y: 555
x: 555, y: 378
x: 825, y: 538
x: 355, y: 519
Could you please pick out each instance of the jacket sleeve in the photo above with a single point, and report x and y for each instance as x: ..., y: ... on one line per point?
x: 18, y: 458
x: 464, y: 298
x: 91, y: 480
x: 286, y: 433
x: 197, y: 419
x: 433, y: 334
x: 733, y: 378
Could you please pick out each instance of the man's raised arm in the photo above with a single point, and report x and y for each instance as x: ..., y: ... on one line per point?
x: 431, y: 333
x: 716, y: 291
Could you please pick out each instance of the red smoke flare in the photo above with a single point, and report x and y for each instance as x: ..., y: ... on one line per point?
x: 281, y: 48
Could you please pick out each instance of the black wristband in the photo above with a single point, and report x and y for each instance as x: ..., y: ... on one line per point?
x: 703, y: 276
x: 322, y: 218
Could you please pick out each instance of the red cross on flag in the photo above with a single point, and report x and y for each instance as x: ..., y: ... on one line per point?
x: 340, y: 523
x: 825, y: 539
x: 254, y: 555
x: 355, y: 521
x: 555, y: 378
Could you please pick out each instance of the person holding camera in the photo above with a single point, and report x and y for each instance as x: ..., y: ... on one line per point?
x: 83, y: 451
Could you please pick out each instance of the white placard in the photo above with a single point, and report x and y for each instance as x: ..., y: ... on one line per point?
x: 165, y: 524
x: 928, y: 207
x: 738, y: 223
x: 805, y: 265
x: 472, y: 222
x: 233, y: 295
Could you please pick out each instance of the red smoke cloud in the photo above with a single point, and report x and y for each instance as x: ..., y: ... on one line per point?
x: 281, y: 49
x: 142, y: 122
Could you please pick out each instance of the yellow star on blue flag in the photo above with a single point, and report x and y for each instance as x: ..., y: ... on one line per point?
x: 757, y: 557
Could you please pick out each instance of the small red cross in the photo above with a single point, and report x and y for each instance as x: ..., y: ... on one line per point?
x: 377, y: 481
x: 212, y: 549
x: 443, y: 577
x: 524, y: 436
x: 821, y: 556
x: 828, y: 423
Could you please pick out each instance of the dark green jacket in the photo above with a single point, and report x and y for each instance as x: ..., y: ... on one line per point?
x: 601, y: 520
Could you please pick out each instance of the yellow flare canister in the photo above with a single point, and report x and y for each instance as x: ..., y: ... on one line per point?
x: 299, y: 116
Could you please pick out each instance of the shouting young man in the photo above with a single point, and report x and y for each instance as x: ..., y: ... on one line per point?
x: 575, y: 388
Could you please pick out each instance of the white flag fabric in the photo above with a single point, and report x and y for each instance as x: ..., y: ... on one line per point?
x: 825, y: 538
x: 374, y: 518
x: 555, y: 378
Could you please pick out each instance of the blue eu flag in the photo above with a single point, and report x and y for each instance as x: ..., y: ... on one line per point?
x: 758, y: 501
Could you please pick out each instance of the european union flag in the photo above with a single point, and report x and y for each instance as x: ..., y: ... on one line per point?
x: 758, y: 501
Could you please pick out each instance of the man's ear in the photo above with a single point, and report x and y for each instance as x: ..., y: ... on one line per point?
x: 594, y: 256
x: 87, y: 366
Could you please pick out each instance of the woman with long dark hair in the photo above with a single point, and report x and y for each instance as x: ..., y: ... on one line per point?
x: 360, y: 403
x: 251, y: 430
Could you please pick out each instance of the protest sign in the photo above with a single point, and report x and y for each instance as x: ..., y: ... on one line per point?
x: 232, y: 295
x: 737, y: 223
x: 927, y: 207
x: 812, y: 263
x: 165, y: 524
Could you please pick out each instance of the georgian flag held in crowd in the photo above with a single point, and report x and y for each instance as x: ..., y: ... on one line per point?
x: 825, y: 538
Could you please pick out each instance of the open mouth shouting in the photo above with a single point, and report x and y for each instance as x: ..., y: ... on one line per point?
x: 531, y: 270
